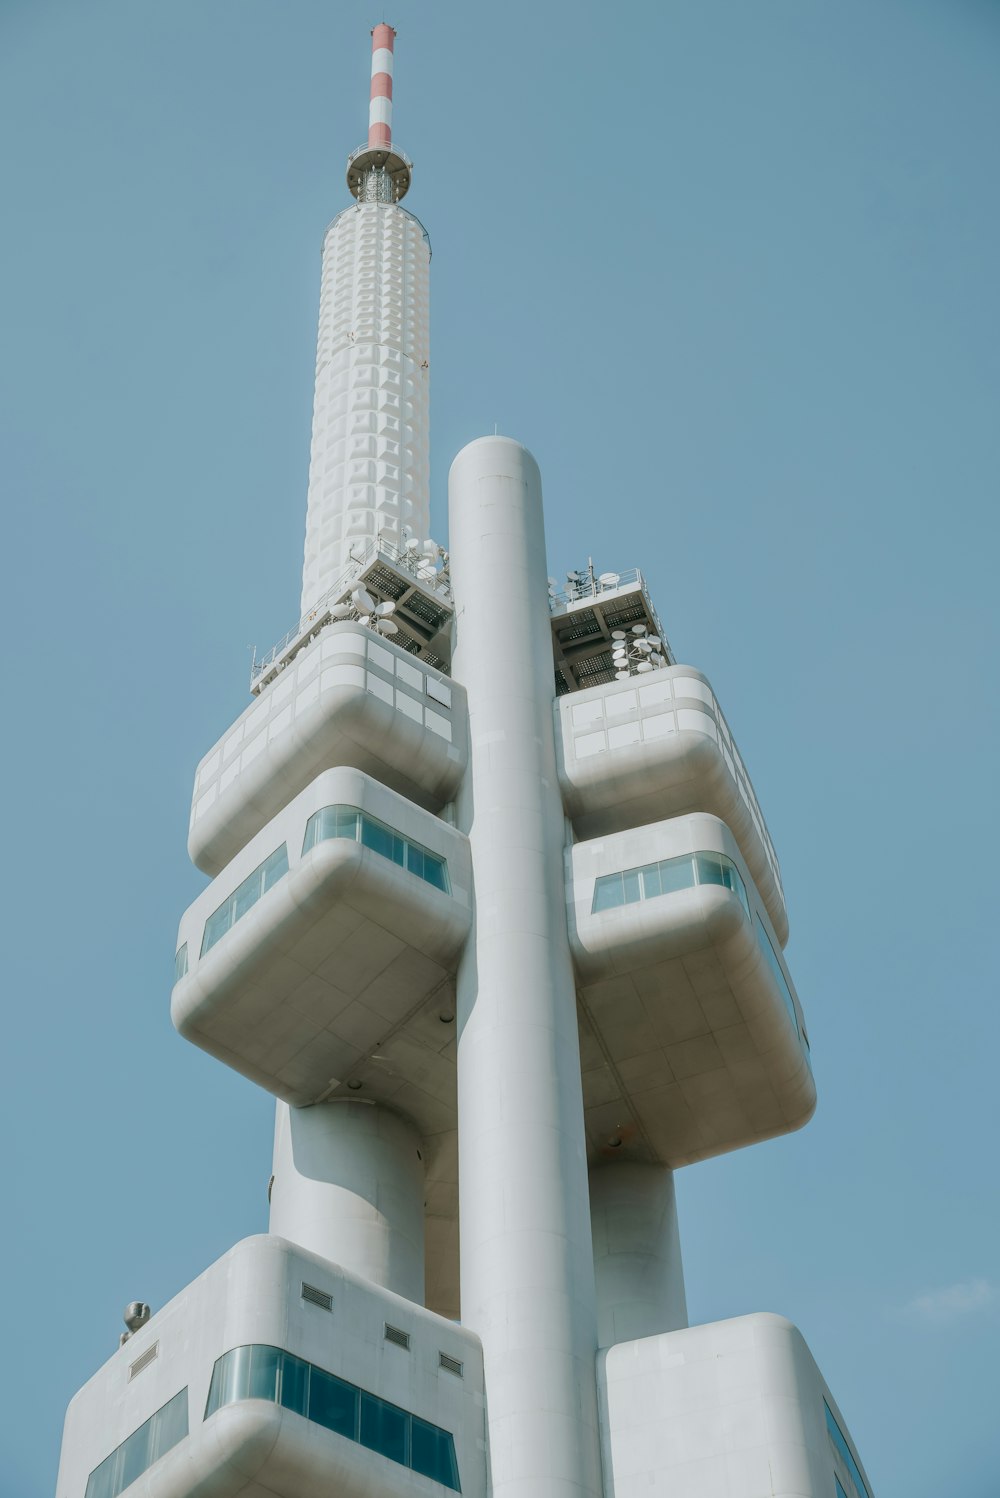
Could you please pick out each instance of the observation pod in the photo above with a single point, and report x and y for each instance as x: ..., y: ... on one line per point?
x: 332, y: 927
x: 349, y: 698
x: 656, y: 746
x: 278, y: 1372
x: 700, y: 1045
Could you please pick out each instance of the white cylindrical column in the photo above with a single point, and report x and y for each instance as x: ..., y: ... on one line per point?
x: 349, y: 1185
x: 637, y: 1252
x: 526, y: 1258
x: 369, y: 470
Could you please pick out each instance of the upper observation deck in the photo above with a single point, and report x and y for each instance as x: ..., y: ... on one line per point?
x: 586, y: 615
x: 415, y: 583
x: 347, y: 696
x: 657, y: 745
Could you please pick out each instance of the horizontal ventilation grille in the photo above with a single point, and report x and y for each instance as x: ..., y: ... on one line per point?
x: 134, y: 1369
x: 396, y: 1337
x: 317, y: 1297
x: 452, y: 1365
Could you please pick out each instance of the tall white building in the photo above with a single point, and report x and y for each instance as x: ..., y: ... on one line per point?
x: 494, y: 915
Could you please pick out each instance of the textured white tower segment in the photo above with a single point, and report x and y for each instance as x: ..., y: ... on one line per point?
x: 369, y: 471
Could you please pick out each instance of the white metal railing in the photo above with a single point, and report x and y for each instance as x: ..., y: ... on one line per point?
x: 590, y: 584
x: 391, y: 150
x: 413, y: 562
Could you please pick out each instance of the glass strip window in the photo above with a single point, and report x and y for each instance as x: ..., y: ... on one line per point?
x: 771, y: 958
x: 245, y: 897
x: 666, y: 878
x: 158, y: 1435
x: 180, y: 962
x: 358, y: 827
x: 260, y: 1372
x: 840, y: 1442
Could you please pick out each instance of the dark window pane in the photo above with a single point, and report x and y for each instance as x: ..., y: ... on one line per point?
x: 246, y: 897
x: 432, y: 1452
x: 294, y: 1384
x: 435, y: 872
x: 333, y: 1403
x: 376, y: 837
x: 347, y: 823
x: 709, y: 868
x: 101, y: 1482
x: 275, y: 867
x: 313, y: 834
x: 235, y: 1382
x: 217, y: 925
x: 170, y: 1425
x: 135, y: 1455
x: 383, y: 1428
x: 415, y: 860
x: 608, y: 892
x: 180, y: 963
x: 264, y: 1364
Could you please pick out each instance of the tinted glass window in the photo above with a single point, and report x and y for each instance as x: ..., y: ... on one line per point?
x: 333, y: 1403
x: 153, y: 1439
x: 384, y: 1428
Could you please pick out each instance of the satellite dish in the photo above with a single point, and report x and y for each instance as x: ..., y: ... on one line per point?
x: 412, y: 544
x: 341, y: 611
x: 618, y: 634
x: 609, y: 579
x: 425, y: 573
x: 638, y: 629
x: 385, y: 608
x: 654, y: 640
x: 363, y: 601
x: 431, y: 548
x: 386, y: 627
x: 644, y: 647
x: 623, y: 675
x: 644, y: 666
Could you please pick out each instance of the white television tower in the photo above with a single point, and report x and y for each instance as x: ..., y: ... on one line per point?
x: 494, y: 915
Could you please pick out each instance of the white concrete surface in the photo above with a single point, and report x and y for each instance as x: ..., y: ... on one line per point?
x: 637, y: 1251
x: 348, y: 1184
x: 733, y: 1409
x: 527, y: 1263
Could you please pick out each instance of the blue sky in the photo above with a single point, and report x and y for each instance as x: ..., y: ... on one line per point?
x: 730, y: 271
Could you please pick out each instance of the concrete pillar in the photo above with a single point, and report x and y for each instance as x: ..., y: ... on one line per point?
x: 527, y: 1271
x: 637, y: 1252
x: 349, y: 1185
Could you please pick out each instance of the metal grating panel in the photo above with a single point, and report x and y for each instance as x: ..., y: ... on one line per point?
x: 452, y: 1365
x: 143, y: 1361
x: 315, y: 1297
x: 386, y: 582
x: 397, y: 1337
x: 430, y: 613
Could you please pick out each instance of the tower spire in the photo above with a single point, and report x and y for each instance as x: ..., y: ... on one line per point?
x: 378, y: 172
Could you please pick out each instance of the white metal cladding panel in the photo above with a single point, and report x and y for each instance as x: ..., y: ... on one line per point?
x: 731, y: 1407
x: 370, y: 463
x: 652, y: 708
x: 236, y: 789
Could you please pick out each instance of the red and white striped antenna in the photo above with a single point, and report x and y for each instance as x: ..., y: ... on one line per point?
x: 380, y: 98
x: 378, y: 172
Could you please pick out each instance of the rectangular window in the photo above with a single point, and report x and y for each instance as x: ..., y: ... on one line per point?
x: 245, y: 896
x: 333, y: 1403
x: 609, y: 892
x: 181, y: 962
x: 384, y: 1429
x: 840, y: 1442
x: 154, y: 1438
x: 347, y: 822
x: 270, y: 1373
